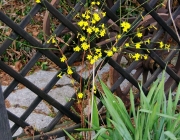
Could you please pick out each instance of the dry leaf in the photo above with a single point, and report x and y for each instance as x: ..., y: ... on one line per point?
x: 29, y: 130
x: 7, y: 104
x: 35, y: 33
x: 18, y: 66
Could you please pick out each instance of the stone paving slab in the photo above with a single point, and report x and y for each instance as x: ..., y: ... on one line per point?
x: 21, y: 98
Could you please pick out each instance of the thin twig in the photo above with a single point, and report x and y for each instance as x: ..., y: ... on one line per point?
x: 170, y: 13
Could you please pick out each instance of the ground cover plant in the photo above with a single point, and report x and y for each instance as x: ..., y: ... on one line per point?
x: 155, y: 118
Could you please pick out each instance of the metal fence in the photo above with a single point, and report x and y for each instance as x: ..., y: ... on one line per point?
x: 154, y: 65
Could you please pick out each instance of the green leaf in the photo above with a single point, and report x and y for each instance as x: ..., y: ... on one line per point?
x: 87, y: 129
x: 111, y: 104
x: 162, y: 137
x: 100, y: 132
x: 122, y: 131
x: 176, y: 98
x: 169, y: 110
x: 124, y: 115
x: 153, y: 116
x: 152, y: 91
x: 115, y: 135
x: 108, y: 119
x: 116, y: 106
x: 160, y: 130
x: 143, y: 99
x: 44, y: 65
x: 105, y: 137
x: 159, y: 114
x: 94, y: 115
x: 68, y: 135
x: 175, y: 126
x: 170, y: 135
x: 132, y: 105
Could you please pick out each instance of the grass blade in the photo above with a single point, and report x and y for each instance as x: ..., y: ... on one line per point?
x: 94, y: 116
x: 71, y: 138
x: 170, y: 135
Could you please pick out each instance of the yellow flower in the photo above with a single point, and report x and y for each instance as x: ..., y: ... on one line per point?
x: 97, y: 50
x: 80, y: 95
x: 89, y: 56
x: 69, y: 70
x: 59, y: 75
x: 102, y: 25
x: 139, y: 34
x: 83, y: 38
x: 63, y: 58
x: 147, y: 41
x: 87, y: 12
x: 93, y: 3
x: 103, y: 14
x: 98, y: 3
x: 95, y: 57
x: 93, y: 21
x: 136, y: 56
x: 83, y: 15
x: 96, y: 30
x: 100, y: 55
x: 127, y: 44
x: 92, y: 61
x: 93, y: 28
x: 109, y: 53
x: 81, y: 23
x: 77, y: 49
x: 94, y: 89
x: 167, y: 46
x: 48, y: 41
x: 102, y: 32
x: 84, y: 28
x: 85, y: 46
x: 87, y: 16
x: 38, y: 1
x: 138, y: 45
x: 89, y: 30
x: 114, y: 49
x: 125, y: 29
x: 118, y: 36
x: 53, y: 40
x: 96, y: 17
x: 85, y: 23
x: 145, y: 56
x: 161, y: 44
x: 125, y: 26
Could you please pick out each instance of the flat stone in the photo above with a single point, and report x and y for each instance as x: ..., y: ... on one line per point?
x: 36, y: 120
x: 22, y: 97
x: 62, y: 95
x: 41, y: 78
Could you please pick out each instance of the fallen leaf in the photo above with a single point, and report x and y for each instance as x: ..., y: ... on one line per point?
x: 29, y: 130
x: 35, y: 33
x: 7, y: 104
x: 18, y: 66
